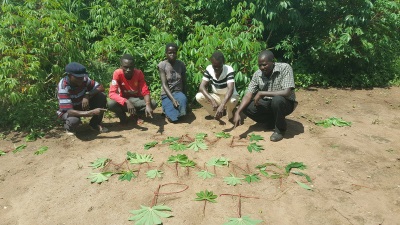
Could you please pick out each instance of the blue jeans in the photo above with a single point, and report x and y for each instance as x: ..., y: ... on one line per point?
x: 170, y: 110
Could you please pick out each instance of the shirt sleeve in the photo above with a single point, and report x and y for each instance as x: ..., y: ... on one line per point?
x: 230, y: 78
x: 142, y: 84
x: 253, y: 85
x: 288, y: 78
x: 113, y: 92
x: 206, y: 76
x: 64, y: 99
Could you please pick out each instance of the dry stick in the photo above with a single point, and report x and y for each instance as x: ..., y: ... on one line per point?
x: 342, y: 215
x: 157, y: 193
x: 362, y: 186
x: 240, y: 201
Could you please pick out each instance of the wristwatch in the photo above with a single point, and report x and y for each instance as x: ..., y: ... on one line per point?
x: 87, y: 93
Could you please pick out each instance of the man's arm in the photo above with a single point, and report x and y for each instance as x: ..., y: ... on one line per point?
x: 77, y: 113
x: 164, y: 84
x: 203, y: 90
x: 113, y: 92
x: 245, y: 102
x: 228, y: 95
x: 285, y: 93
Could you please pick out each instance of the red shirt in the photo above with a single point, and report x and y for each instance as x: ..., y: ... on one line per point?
x: 120, y: 85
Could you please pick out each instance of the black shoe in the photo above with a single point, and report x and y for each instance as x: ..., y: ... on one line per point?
x: 276, y: 136
x: 209, y: 117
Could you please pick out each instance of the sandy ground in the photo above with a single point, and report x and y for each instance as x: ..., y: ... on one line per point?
x: 355, y: 171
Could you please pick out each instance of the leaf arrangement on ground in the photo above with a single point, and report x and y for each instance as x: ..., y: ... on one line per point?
x: 41, y: 150
x: 244, y: 220
x: 232, y: 180
x: 254, y: 147
x: 100, y: 177
x: 333, y: 121
x: 149, y: 145
x: 150, y: 215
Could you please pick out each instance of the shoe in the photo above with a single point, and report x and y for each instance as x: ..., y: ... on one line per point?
x: 70, y: 133
x: 276, y: 136
x: 209, y: 117
x: 100, y: 128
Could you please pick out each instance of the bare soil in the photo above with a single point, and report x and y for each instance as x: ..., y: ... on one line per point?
x: 355, y: 170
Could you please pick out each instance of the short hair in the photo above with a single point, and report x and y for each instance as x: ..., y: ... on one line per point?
x: 127, y: 56
x: 171, y: 44
x: 267, y: 54
x: 217, y: 55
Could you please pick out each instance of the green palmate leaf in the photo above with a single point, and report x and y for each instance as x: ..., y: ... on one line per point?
x: 19, y: 148
x: 244, y: 220
x: 206, y: 196
x: 177, y: 147
x: 99, y: 163
x: 333, y: 121
x: 130, y: 155
x: 254, y: 147
x: 100, y: 177
x: 256, y: 138
x: 177, y: 158
x: 141, y: 158
x: 305, y: 186
x: 154, y: 173
x: 222, y: 135
x: 126, y: 175
x: 34, y: 135
x: 150, y: 216
x: 302, y: 174
x: 149, y: 145
x: 219, y: 162
x: 200, y: 136
x: 187, y: 163
x: 2, y: 153
x: 298, y: 165
x: 232, y: 180
x: 196, y: 145
x: 170, y: 140
x: 41, y: 150
x: 251, y: 178
x: 205, y: 174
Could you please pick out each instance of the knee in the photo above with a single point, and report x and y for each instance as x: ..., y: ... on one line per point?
x: 277, y: 101
x: 153, y: 104
x: 72, y: 121
x: 113, y: 105
x: 200, y: 97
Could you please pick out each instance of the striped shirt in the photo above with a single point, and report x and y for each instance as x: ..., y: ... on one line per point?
x: 70, y: 97
x: 280, y: 79
x: 220, y: 85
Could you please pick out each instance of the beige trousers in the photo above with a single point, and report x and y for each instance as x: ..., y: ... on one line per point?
x: 230, y: 105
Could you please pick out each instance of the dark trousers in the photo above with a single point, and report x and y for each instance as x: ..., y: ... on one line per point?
x: 170, y: 110
x: 97, y: 101
x: 120, y: 110
x: 271, y: 111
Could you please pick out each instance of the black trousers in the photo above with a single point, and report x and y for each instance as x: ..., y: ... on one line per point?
x: 271, y: 111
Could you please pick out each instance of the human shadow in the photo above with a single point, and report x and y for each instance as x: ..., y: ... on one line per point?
x: 160, y: 120
x: 293, y: 128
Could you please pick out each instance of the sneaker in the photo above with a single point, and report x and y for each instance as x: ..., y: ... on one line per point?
x: 70, y: 133
x: 276, y: 136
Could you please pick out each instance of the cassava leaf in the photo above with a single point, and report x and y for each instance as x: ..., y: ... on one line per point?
x: 177, y: 158
x: 206, y: 196
x: 19, y: 148
x: 251, y: 178
x: 2, y: 153
x: 302, y: 174
x: 154, y: 173
x: 305, y: 186
x: 187, y: 163
x: 256, y: 138
x: 141, y: 158
x: 197, y: 144
x: 149, y: 145
x: 232, y: 180
x: 150, y: 216
x: 99, y: 163
x: 177, y: 146
x: 170, y: 140
x: 222, y: 135
x: 41, y: 150
x: 298, y: 165
x: 333, y: 121
x: 244, y: 220
x: 126, y: 175
x: 254, y: 147
x: 205, y: 174
x: 219, y: 162
x: 200, y: 136
x: 34, y: 135
x: 100, y: 177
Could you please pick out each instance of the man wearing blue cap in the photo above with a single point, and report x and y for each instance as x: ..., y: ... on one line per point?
x: 79, y: 96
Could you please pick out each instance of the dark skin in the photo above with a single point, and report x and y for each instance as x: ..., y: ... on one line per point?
x: 266, y: 67
x: 128, y: 67
x: 219, y: 109
x: 171, y: 55
x: 76, y: 82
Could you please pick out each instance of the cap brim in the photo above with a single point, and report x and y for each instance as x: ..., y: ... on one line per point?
x: 79, y: 74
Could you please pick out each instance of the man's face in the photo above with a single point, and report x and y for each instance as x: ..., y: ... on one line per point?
x: 75, y: 81
x: 171, y: 54
x: 127, y: 67
x: 265, y: 66
x: 217, y: 66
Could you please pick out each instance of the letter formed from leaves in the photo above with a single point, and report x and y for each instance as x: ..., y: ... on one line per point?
x: 99, y: 163
x: 222, y: 135
x: 254, y: 147
x: 249, y: 178
x: 205, y: 174
x: 100, y: 177
x: 126, y: 175
x: 150, y: 215
x: 149, y: 145
x: 256, y: 138
x: 244, y: 220
x: 154, y: 173
x: 232, y: 180
x: 41, y: 150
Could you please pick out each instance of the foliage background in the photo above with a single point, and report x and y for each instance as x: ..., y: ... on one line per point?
x: 329, y: 43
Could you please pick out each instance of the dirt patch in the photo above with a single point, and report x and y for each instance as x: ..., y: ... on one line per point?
x: 355, y: 170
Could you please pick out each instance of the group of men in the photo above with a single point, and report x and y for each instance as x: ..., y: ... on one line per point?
x: 269, y: 98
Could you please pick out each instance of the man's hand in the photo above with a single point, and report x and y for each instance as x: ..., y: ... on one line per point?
x: 85, y: 103
x: 149, y: 111
x: 214, y: 105
x: 256, y: 98
x: 236, y: 120
x: 130, y: 107
x: 97, y: 111
x: 220, y: 112
x: 175, y: 102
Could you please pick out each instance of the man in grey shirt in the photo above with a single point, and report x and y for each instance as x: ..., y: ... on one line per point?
x: 270, y: 95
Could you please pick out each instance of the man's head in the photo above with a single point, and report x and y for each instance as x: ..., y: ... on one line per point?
x: 127, y: 65
x: 171, y: 50
x: 265, y: 62
x: 217, y: 62
x: 76, y: 73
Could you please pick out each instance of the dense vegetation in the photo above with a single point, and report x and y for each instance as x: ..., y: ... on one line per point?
x: 329, y: 43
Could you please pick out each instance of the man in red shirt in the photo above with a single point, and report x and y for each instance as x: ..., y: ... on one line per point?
x: 129, y: 91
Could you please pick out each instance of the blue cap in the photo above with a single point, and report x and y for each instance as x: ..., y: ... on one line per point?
x: 76, y: 69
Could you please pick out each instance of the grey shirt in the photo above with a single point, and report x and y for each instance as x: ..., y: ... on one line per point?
x: 174, y: 74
